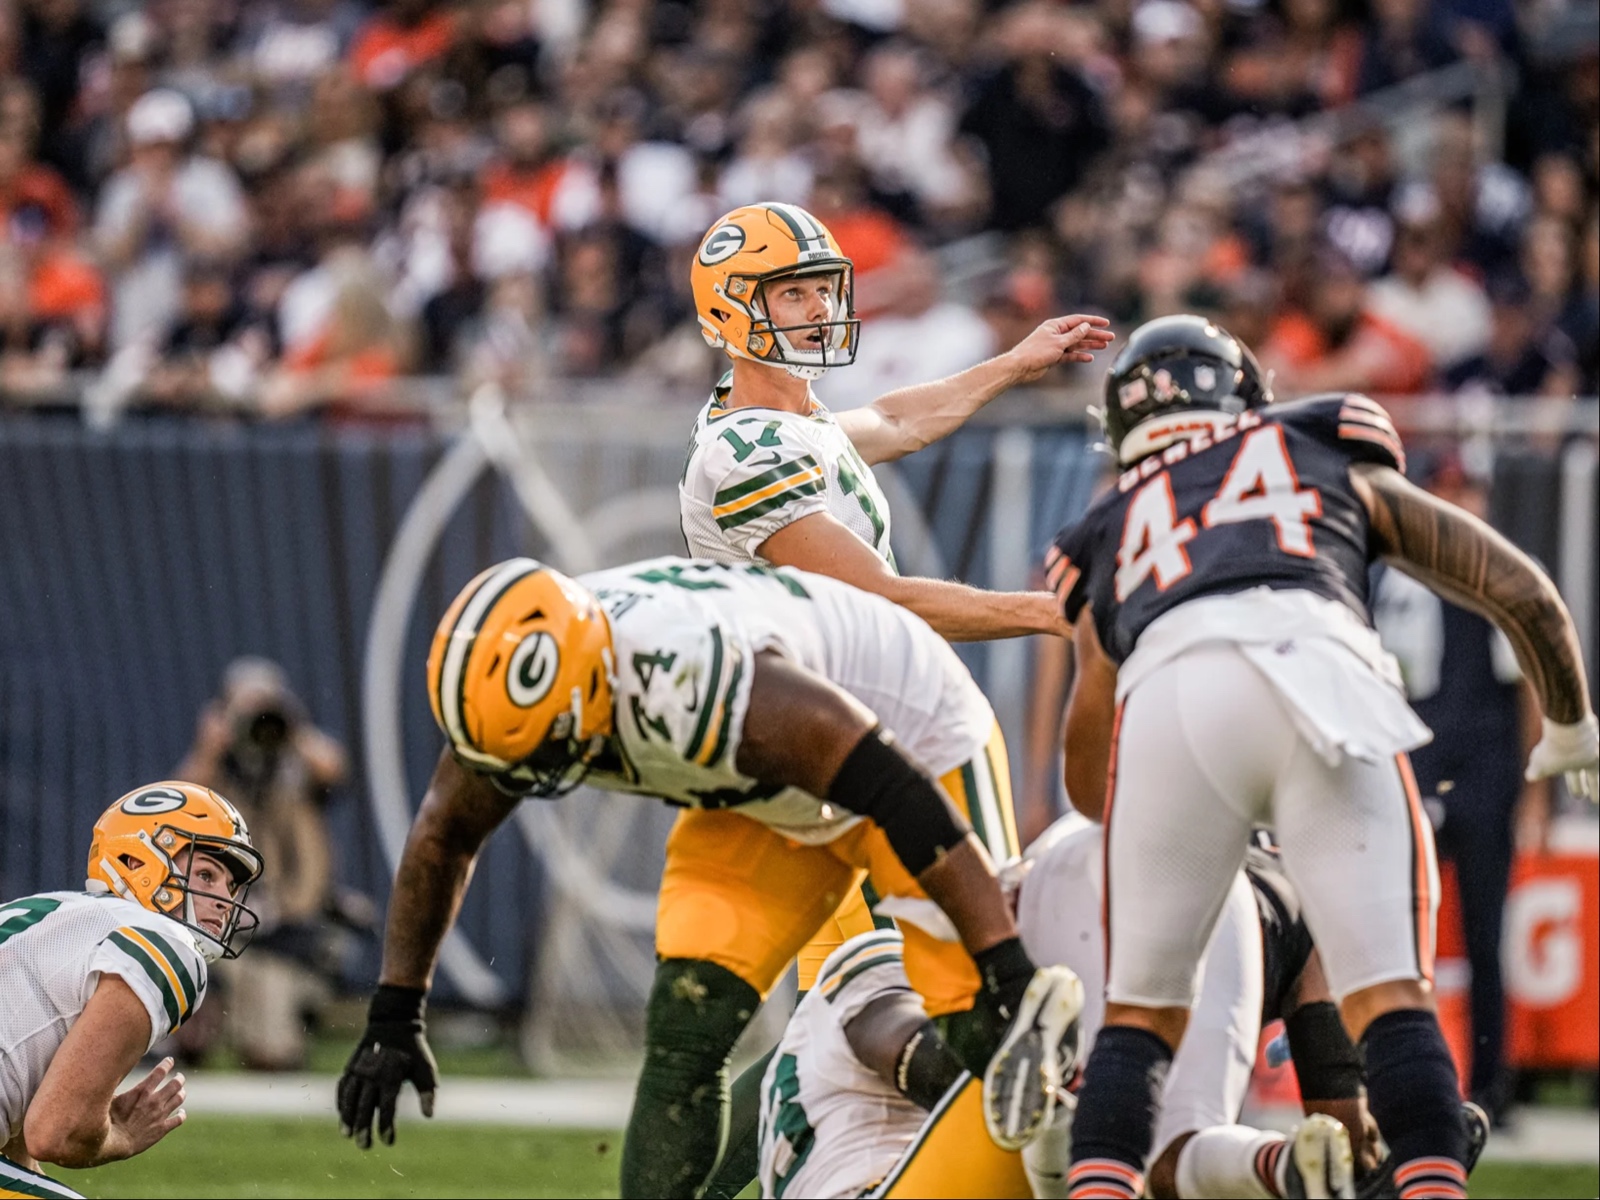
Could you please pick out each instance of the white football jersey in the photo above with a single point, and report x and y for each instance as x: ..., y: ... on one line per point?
x: 685, y: 635
x: 751, y: 471
x: 53, y: 949
x: 830, y: 1127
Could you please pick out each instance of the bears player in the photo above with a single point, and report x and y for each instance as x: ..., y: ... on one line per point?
x: 834, y: 1123
x: 1218, y: 595
x: 807, y: 722
x: 94, y: 979
x: 773, y: 476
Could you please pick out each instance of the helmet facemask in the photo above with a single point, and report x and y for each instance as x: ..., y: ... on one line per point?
x: 173, y: 850
x: 805, y: 349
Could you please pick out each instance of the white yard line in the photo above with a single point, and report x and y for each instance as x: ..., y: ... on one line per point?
x: 559, y: 1104
x: 1545, y: 1135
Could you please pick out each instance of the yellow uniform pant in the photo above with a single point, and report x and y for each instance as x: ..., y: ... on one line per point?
x: 954, y: 1156
x: 748, y: 899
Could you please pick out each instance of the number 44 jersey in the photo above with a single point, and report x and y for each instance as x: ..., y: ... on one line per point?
x: 1264, y: 503
x: 752, y: 471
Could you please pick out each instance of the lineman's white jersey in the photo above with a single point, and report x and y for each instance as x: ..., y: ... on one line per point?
x: 53, y: 949
x: 684, y: 638
x: 830, y: 1127
x: 751, y: 471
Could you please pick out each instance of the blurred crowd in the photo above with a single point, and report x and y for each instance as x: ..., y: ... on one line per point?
x: 280, y: 207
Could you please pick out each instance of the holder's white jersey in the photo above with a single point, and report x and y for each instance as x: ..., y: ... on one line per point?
x: 53, y: 949
x: 751, y: 471
x: 817, y: 1094
x: 685, y: 635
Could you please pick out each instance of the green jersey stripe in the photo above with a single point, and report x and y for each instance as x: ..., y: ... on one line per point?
x: 744, y: 516
x: 780, y: 472
x: 190, y: 992
x: 969, y: 784
x: 712, y: 692
x: 889, y: 937
x: 726, y: 724
x: 16, y: 1179
x: 879, y: 961
x: 791, y: 1122
x: 133, y: 950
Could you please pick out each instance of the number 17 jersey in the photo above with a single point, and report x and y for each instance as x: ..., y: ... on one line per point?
x: 1263, y: 502
x: 752, y: 471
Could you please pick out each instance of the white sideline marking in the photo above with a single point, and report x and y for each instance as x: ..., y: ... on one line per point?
x: 1540, y: 1135
x: 553, y: 1104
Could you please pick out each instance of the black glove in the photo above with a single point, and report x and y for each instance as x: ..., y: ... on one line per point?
x: 1006, y: 971
x: 393, y: 1050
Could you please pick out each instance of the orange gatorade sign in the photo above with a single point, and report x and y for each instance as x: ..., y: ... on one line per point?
x: 1551, y: 952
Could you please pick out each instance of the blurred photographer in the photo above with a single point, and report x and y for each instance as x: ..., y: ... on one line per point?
x: 256, y: 745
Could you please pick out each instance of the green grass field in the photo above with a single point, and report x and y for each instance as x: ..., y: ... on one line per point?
x: 225, y: 1156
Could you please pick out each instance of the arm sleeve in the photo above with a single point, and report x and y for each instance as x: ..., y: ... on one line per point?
x: 163, y: 968
x: 1064, y: 572
x: 758, y: 482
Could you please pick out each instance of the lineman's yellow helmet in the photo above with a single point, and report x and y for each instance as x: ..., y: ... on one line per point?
x: 752, y: 247
x: 138, y: 852
x: 520, y: 676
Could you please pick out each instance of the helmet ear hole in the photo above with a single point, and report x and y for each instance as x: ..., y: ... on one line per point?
x: 129, y: 861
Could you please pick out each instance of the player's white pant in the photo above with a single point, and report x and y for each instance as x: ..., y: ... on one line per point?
x: 1206, y: 747
x: 1058, y: 916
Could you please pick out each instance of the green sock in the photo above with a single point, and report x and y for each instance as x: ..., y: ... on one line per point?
x: 742, y: 1159
x: 697, y: 1012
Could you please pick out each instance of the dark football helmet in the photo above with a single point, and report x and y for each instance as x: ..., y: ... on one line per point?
x: 1172, y: 367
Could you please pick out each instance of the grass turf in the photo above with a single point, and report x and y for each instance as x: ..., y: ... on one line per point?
x: 241, y: 1156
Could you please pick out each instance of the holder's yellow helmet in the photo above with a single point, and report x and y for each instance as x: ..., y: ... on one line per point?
x: 138, y: 852
x: 520, y: 676
x: 742, y: 254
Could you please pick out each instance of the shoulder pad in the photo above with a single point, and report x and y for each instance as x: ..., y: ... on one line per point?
x: 1355, y: 424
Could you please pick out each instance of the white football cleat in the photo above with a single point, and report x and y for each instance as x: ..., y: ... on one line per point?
x: 1320, y: 1166
x: 1027, y: 1076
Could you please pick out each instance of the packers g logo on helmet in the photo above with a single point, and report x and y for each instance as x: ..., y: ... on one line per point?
x: 533, y: 669
x: 154, y: 800
x: 519, y: 676
x: 757, y: 245
x: 143, y: 849
x: 721, y: 244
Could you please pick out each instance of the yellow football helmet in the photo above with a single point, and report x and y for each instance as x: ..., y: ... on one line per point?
x: 520, y: 676
x: 752, y: 247
x: 138, y: 852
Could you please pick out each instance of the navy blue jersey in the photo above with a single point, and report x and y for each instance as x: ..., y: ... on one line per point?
x: 1266, y: 501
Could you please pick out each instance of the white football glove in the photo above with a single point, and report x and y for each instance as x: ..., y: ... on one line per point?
x: 1570, y: 749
